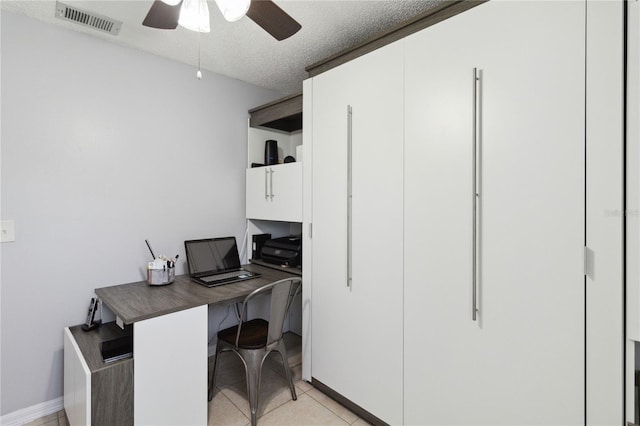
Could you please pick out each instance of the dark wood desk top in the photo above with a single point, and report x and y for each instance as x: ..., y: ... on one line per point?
x: 89, y: 344
x: 140, y: 301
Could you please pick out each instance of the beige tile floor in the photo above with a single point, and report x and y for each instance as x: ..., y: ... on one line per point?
x: 55, y: 419
x: 231, y: 407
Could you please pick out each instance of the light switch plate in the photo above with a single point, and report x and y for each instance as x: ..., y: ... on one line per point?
x: 8, y: 231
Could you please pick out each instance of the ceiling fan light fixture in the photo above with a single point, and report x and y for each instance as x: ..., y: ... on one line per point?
x: 194, y: 15
x: 233, y: 10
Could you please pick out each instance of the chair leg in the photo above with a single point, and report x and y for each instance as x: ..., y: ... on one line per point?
x: 282, y: 350
x: 253, y: 362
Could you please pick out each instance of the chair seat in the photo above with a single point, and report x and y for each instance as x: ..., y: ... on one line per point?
x: 252, y: 336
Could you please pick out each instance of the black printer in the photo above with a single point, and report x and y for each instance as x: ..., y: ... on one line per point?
x: 286, y: 251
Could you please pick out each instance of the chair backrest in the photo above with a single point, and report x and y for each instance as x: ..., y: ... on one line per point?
x: 282, y: 294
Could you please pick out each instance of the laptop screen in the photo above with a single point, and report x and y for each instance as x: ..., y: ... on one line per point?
x: 212, y: 255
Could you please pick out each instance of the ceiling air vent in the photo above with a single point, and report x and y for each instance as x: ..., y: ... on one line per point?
x: 88, y: 19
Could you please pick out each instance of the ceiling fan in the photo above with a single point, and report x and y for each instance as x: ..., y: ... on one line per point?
x: 194, y: 14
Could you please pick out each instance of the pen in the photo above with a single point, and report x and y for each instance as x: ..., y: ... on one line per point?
x: 152, y: 255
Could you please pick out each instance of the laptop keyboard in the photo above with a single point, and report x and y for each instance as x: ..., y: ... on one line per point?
x: 224, y: 276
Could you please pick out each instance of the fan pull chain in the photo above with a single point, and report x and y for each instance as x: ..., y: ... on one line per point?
x: 199, y: 73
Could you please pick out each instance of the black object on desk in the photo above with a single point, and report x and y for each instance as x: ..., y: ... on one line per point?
x: 283, y: 251
x: 258, y: 243
x: 91, y: 322
x: 116, y: 349
x: 215, y: 261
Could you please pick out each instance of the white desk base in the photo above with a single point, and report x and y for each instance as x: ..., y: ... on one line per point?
x: 170, y: 370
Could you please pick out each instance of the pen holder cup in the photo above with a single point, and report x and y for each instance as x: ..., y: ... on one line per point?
x: 161, y: 276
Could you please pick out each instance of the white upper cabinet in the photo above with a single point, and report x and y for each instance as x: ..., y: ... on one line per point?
x: 275, y: 192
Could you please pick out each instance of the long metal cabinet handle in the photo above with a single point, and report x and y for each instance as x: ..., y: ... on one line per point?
x: 476, y: 196
x: 349, y: 191
x: 266, y: 175
x: 271, y: 183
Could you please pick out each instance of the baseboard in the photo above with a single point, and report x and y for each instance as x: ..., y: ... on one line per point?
x: 359, y: 411
x: 29, y: 414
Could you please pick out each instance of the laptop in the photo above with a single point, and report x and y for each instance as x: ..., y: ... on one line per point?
x: 215, y: 261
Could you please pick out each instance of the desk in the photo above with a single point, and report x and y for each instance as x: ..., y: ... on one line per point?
x: 170, y: 336
x: 140, y: 301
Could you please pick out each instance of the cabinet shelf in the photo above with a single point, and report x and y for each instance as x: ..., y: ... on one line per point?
x: 284, y: 114
x: 295, y: 271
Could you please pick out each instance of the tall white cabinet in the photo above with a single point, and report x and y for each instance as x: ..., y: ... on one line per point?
x: 521, y: 361
x: 357, y: 149
x: 456, y: 177
x: 274, y: 192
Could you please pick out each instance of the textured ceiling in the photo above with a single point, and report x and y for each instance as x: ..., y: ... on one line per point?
x: 241, y: 49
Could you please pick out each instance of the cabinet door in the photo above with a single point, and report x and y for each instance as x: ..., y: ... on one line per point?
x: 357, y: 323
x: 275, y: 192
x: 522, y: 360
x: 285, y: 192
x: 77, y: 383
x: 257, y: 193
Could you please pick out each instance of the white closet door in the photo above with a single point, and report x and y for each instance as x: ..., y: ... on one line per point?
x: 605, y: 204
x: 522, y: 361
x: 440, y: 338
x: 357, y: 329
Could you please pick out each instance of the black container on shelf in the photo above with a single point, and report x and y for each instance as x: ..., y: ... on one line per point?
x: 271, y: 152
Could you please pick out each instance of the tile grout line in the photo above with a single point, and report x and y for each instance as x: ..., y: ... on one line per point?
x: 284, y: 403
x: 299, y: 392
x: 328, y: 408
x: 232, y: 403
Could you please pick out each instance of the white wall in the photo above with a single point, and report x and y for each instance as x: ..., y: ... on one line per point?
x: 102, y: 147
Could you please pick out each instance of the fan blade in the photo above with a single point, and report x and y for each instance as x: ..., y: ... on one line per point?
x: 162, y: 16
x: 272, y: 19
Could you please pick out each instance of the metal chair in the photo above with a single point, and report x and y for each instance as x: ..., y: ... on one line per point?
x: 253, y: 340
